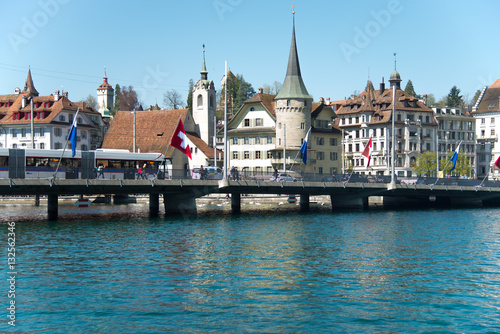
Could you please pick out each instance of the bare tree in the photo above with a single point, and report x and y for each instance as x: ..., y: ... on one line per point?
x: 128, y: 98
x: 172, y: 99
x: 91, y: 101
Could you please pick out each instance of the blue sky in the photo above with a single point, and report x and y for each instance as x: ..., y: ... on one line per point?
x: 156, y: 46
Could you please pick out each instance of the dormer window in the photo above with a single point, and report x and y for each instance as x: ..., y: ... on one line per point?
x: 62, y: 118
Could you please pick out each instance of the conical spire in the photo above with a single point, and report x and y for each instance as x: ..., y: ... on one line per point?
x: 29, y: 87
x: 293, y: 86
x: 204, y: 72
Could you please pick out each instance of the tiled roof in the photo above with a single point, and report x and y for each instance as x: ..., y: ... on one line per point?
x: 154, y: 130
x: 491, y: 99
x: 201, y: 145
x: 380, y: 105
x: 267, y: 101
x: 46, y: 104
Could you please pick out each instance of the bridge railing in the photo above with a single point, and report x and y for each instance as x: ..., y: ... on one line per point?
x: 44, y: 172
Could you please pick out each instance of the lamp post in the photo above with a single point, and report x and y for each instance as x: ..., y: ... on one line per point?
x: 393, y: 150
x: 134, y: 135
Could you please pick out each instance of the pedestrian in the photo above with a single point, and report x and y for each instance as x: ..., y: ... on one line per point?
x: 233, y: 176
x: 144, y: 172
x: 139, y: 172
x: 100, y: 171
x: 202, y: 173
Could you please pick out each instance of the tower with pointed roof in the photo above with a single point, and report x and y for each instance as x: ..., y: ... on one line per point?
x: 395, y: 78
x: 105, y: 95
x: 29, y: 87
x: 293, y: 104
x: 204, y: 105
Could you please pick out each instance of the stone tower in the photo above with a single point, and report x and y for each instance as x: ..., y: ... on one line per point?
x: 105, y: 95
x: 293, y: 105
x: 204, y: 106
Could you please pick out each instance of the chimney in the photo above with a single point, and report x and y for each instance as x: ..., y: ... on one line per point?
x: 260, y: 90
x: 17, y: 91
x: 424, y: 97
x: 23, y: 102
x: 65, y: 94
x: 382, y: 86
x: 56, y: 95
x: 321, y: 100
x: 327, y: 101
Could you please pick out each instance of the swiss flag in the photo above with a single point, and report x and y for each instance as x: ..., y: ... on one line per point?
x: 497, y: 162
x: 367, y: 152
x: 179, y: 140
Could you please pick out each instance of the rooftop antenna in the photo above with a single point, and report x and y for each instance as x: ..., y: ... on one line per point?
x: 394, y: 60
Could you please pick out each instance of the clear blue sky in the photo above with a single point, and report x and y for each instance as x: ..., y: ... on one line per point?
x: 156, y: 46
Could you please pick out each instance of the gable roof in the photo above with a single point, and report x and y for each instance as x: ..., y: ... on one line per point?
x: 201, y: 145
x: 491, y: 99
x: 379, y: 104
x: 45, y: 104
x: 154, y: 129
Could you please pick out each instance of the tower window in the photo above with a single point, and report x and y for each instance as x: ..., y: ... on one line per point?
x: 287, y: 103
x: 200, y: 100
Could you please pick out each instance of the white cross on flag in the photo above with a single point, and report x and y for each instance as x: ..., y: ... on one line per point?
x: 179, y: 140
x: 367, y: 152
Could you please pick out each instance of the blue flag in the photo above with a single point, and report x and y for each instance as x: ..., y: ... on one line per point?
x: 303, y: 148
x: 454, y: 157
x: 72, y: 135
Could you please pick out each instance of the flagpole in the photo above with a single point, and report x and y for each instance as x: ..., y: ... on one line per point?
x: 305, y: 140
x: 75, y: 120
x: 224, y: 172
x: 393, y: 149
x: 168, y: 146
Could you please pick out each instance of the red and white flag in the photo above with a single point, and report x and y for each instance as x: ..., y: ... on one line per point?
x: 179, y: 140
x: 367, y: 152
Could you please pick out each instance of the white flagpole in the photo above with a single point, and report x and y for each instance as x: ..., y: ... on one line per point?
x: 224, y: 172
x: 75, y: 120
x: 305, y: 139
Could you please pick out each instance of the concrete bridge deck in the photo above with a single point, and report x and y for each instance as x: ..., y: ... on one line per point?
x: 179, y: 195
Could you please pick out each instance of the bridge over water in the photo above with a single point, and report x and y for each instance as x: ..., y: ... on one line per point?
x: 180, y: 195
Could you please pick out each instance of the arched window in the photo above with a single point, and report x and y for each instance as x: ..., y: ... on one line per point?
x: 413, y: 162
x: 200, y: 100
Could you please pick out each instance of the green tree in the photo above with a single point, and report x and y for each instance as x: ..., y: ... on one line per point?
x: 190, y: 95
x: 116, y: 105
x: 454, y: 99
x: 426, y: 163
x: 463, y: 166
x: 476, y: 97
x: 409, y: 89
x: 244, y: 92
x: 431, y: 100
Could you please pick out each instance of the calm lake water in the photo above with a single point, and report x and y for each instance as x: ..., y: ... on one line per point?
x: 432, y: 271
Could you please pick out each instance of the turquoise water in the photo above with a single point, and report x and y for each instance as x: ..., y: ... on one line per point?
x: 428, y: 271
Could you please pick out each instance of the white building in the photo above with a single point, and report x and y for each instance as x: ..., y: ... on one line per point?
x: 487, y: 114
x: 52, y: 119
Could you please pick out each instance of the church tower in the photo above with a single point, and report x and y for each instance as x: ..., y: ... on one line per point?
x: 105, y: 95
x: 204, y: 106
x: 293, y: 106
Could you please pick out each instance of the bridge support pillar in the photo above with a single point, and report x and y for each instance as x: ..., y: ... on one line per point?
x: 236, y: 202
x: 304, y: 202
x: 154, y: 204
x: 179, y: 204
x: 37, y: 200
x: 349, y: 202
x: 52, y: 206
